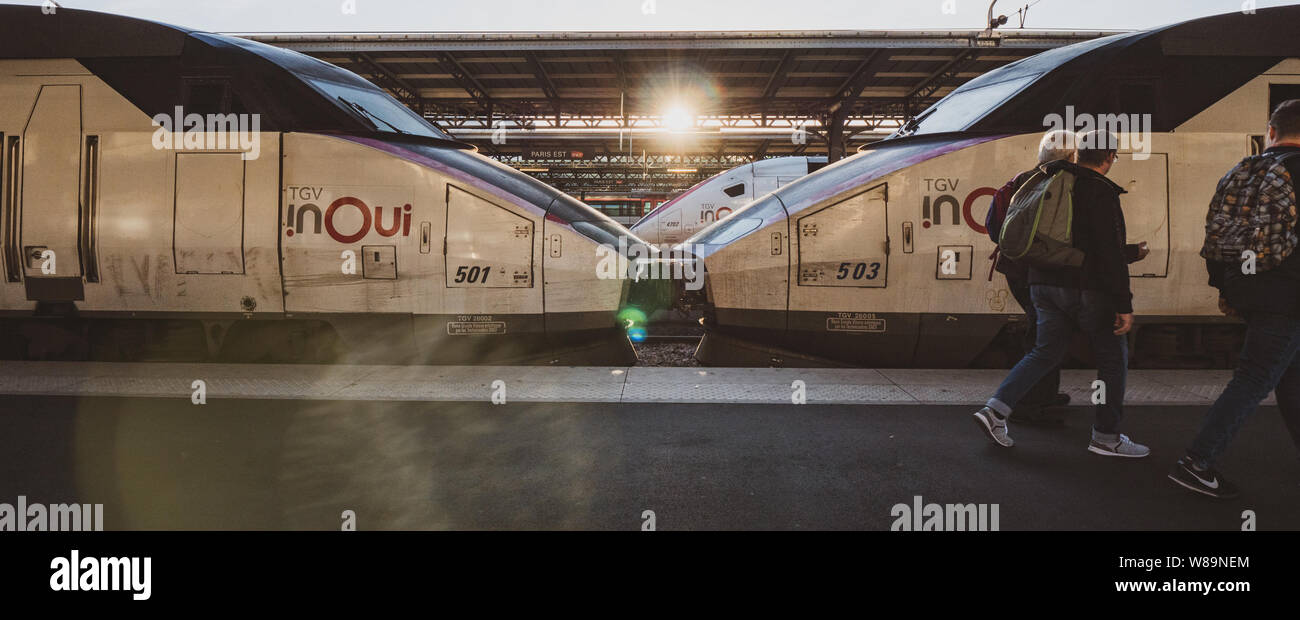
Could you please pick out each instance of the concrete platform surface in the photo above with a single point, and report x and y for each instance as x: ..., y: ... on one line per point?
x: 162, y: 464
x: 574, y: 384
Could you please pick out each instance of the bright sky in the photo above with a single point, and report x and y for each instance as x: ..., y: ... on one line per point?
x: 460, y: 15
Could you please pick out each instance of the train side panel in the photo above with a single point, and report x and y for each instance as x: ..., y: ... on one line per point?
x: 896, y: 270
x: 362, y: 231
x: 134, y: 228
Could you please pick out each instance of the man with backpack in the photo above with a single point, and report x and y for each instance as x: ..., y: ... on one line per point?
x: 1055, y: 145
x: 1065, y: 222
x: 1250, y: 255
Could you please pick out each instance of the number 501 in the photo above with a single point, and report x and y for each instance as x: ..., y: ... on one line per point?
x: 472, y: 275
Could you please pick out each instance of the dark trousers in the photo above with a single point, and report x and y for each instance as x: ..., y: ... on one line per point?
x: 1042, y: 393
x: 1269, y: 361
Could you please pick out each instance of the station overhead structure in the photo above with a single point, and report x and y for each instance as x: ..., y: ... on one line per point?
x: 656, y: 112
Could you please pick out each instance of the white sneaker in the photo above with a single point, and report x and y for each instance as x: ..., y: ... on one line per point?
x: 994, y: 427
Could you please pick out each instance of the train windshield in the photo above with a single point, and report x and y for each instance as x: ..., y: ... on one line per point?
x: 977, y: 99
x: 378, y: 109
x: 361, y: 99
x: 963, y: 107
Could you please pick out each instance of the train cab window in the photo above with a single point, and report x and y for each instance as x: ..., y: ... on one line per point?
x: 963, y: 107
x: 383, y: 112
x: 210, y: 96
x: 1137, y: 97
x: 1277, y: 93
x: 735, y: 191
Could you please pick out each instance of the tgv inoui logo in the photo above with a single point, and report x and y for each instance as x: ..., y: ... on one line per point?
x: 941, y: 204
x: 347, y: 219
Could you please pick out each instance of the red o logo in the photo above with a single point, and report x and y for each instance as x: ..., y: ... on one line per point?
x: 970, y: 200
x: 365, y: 219
x: 723, y: 212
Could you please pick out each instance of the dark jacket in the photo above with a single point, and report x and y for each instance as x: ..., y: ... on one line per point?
x: 1276, y: 290
x: 1098, y: 229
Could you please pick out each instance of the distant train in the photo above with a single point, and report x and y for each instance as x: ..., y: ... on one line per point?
x: 882, y: 259
x: 717, y: 197
x: 174, y: 194
x: 626, y: 209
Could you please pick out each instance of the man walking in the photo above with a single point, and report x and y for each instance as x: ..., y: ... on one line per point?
x: 1035, y: 406
x: 1267, y: 296
x: 1095, y: 297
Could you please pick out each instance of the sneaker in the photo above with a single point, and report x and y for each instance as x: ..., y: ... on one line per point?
x: 994, y: 427
x: 1203, y: 481
x: 1117, y: 445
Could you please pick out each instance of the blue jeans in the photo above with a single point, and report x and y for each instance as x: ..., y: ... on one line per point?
x: 1060, y: 310
x: 1268, y: 361
x: 1043, y: 392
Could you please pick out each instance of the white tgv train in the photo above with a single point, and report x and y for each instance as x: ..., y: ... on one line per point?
x: 715, y: 198
x: 351, y: 228
x: 845, y: 266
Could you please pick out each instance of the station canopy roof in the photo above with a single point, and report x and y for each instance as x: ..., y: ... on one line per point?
x: 655, y: 112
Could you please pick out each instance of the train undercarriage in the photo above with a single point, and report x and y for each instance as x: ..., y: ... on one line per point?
x: 385, y: 339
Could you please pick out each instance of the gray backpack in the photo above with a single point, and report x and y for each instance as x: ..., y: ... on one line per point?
x: 1038, y: 228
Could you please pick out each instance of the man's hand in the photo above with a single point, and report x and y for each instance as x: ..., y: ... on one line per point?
x: 1143, y: 250
x: 1225, y: 308
x: 1123, y: 323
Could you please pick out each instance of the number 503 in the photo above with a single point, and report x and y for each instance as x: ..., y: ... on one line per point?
x: 860, y: 271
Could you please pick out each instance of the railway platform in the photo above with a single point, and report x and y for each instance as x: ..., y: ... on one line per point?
x: 575, y: 384
x: 427, y: 447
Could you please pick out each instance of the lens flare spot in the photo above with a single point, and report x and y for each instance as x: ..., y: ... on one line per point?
x: 631, y: 316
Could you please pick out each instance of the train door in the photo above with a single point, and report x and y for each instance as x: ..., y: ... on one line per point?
x: 489, y: 247
x: 1146, y: 209
x: 51, y: 203
x: 838, y: 276
x: 209, y: 228
x: 490, y: 253
x: 843, y: 246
